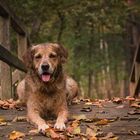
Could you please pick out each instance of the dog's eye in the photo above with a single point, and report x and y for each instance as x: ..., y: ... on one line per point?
x: 38, y: 56
x: 52, y: 55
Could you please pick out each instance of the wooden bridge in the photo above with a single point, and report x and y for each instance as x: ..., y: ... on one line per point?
x: 13, y: 70
x: 10, y: 76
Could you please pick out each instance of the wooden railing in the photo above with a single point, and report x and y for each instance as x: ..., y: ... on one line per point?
x: 8, y: 78
x: 135, y: 73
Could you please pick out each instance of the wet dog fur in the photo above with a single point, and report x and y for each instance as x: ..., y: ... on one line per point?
x: 46, y: 89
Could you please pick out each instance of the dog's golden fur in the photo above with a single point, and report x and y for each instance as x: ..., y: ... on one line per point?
x: 46, y: 93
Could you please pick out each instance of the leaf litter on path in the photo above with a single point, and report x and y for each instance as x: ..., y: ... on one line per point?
x: 15, y: 135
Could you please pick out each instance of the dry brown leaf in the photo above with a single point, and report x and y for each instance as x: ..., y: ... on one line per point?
x: 120, y: 106
x: 117, y: 100
x: 129, y: 98
x: 2, y: 119
x: 54, y: 135
x: 1, y: 103
x: 7, y: 104
x: 85, y: 100
x: 102, y: 122
x: 86, y: 109
x: 135, y: 104
x: 90, y: 132
x: 20, y: 119
x: 79, y: 117
x: 75, y: 123
x: 88, y: 120
x: 93, y: 138
x: 98, y: 104
x: 75, y: 101
x: 109, y: 136
x: 70, y: 130
x: 134, y: 112
x: 5, y: 124
x: 77, y: 130
x: 88, y: 103
x: 74, y: 128
x: 33, y: 132
x: 16, y: 135
x: 132, y: 132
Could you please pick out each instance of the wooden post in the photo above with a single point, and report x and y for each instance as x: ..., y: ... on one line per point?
x: 6, y: 79
x: 1, y: 24
x: 22, y: 47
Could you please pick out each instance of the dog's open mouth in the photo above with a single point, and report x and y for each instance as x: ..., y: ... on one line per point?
x: 46, y: 77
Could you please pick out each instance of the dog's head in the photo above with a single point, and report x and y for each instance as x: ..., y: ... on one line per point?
x: 44, y: 59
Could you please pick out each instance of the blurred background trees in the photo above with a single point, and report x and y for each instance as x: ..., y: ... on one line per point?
x: 100, y: 36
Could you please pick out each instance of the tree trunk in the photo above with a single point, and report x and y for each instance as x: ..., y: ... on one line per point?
x: 90, y: 52
x: 62, y: 25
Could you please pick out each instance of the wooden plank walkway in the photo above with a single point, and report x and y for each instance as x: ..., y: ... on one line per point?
x: 124, y: 121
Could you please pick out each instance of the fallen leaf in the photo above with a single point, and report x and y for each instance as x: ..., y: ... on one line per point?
x: 33, y: 132
x: 77, y: 130
x: 76, y: 101
x: 129, y: 98
x: 117, y: 100
x: 75, y: 123
x: 85, y: 100
x: 134, y: 112
x: 54, y: 135
x: 120, y: 106
x: 1, y: 103
x: 3, y: 122
x: 88, y: 103
x: 93, y: 138
x: 102, y: 122
x: 98, y: 104
x: 109, y: 136
x: 16, y: 135
x: 133, y: 132
x: 86, y: 109
x: 7, y: 104
x: 2, y: 119
x: 88, y: 120
x: 90, y: 132
x: 78, y: 117
x: 70, y: 130
x: 20, y: 119
x: 74, y: 128
x: 135, y: 104
x: 113, y: 120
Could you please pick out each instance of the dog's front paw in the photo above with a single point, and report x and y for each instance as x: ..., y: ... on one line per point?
x: 42, y: 128
x: 60, y: 125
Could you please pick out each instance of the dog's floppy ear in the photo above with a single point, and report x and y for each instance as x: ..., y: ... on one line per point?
x: 28, y: 58
x: 63, y: 54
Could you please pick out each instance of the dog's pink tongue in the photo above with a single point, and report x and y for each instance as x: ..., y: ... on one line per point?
x: 45, y: 78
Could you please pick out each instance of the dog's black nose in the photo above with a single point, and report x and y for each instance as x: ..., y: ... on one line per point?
x: 45, y: 67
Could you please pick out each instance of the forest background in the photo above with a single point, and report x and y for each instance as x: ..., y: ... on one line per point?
x: 100, y: 35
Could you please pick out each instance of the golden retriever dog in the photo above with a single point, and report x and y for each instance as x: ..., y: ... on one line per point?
x: 46, y: 89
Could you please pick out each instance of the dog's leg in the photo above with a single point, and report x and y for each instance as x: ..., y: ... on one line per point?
x: 61, y: 119
x: 34, y: 117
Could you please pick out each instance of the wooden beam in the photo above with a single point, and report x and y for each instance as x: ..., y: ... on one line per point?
x: 15, y: 77
x: 138, y: 53
x: 135, y: 73
x: 132, y: 74
x: 5, y: 11
x: 10, y: 59
x: 22, y: 48
x: 6, y: 81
